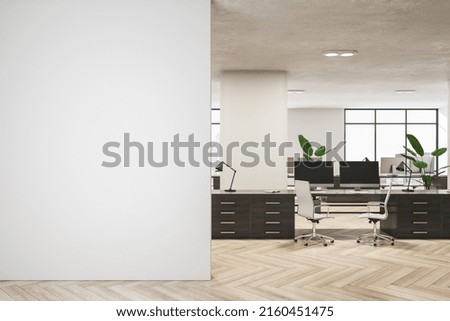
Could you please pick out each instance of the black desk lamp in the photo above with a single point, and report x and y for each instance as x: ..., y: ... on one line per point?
x: 401, y: 168
x: 219, y: 168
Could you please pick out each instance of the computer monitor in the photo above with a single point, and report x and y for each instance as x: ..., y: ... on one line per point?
x: 359, y: 174
x: 318, y: 174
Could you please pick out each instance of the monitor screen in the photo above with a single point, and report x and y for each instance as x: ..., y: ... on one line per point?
x: 359, y: 174
x: 318, y: 174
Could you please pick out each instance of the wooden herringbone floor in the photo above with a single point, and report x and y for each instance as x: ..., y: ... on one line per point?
x: 282, y: 270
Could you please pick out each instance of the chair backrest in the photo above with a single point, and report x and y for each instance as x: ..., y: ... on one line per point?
x: 304, y: 198
x: 386, y: 200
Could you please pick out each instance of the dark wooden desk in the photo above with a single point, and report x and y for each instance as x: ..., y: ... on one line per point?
x: 257, y: 214
x: 419, y: 214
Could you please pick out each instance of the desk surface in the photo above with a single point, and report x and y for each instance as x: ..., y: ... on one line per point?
x: 331, y: 192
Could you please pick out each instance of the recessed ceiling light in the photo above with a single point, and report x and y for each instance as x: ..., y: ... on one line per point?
x: 296, y: 91
x: 405, y: 91
x: 339, y: 53
x: 330, y: 53
x: 349, y: 53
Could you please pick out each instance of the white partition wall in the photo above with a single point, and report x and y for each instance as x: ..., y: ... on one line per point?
x: 253, y: 105
x: 74, y: 76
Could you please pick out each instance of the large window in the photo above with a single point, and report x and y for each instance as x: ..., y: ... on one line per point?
x: 376, y: 133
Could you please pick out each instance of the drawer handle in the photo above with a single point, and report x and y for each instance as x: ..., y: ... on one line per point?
x: 273, y: 213
x: 272, y: 232
x: 273, y: 223
x: 420, y: 232
x: 420, y: 222
x: 420, y: 203
x: 420, y: 213
x: 227, y: 222
x: 228, y: 213
x: 273, y: 203
x: 227, y: 203
x: 227, y: 232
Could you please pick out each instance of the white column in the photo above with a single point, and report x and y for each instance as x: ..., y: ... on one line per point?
x: 74, y: 76
x: 254, y: 104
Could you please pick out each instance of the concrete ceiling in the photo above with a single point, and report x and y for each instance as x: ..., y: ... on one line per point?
x: 401, y: 44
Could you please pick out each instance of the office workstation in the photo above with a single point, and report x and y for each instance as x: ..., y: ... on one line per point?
x: 413, y: 213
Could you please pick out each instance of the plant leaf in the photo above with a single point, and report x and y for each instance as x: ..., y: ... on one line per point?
x: 409, y: 157
x: 438, y: 152
x: 410, y: 151
x: 306, y: 156
x: 304, y: 144
x: 415, y: 144
x: 420, y: 164
x: 320, y: 151
x: 426, y: 180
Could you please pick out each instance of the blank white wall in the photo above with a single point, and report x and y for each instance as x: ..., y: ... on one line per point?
x: 314, y: 123
x: 254, y: 104
x: 73, y: 76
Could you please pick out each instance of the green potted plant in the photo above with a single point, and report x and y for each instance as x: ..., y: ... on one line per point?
x: 416, y: 157
x: 309, y: 153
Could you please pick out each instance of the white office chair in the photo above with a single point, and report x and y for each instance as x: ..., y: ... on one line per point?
x: 375, y: 217
x: 307, y: 210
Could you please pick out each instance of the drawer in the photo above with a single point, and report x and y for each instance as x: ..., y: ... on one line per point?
x: 230, y: 234
x: 280, y: 232
x: 275, y: 219
x: 420, y: 223
x: 228, y: 213
x: 230, y: 201
x: 277, y: 227
x: 422, y: 215
x: 272, y: 202
x: 418, y: 233
x: 230, y: 223
x: 419, y: 204
x: 272, y: 214
x: 272, y: 234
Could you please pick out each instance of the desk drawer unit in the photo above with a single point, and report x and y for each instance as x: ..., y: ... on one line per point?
x: 273, y: 216
x: 419, y: 217
x: 252, y: 216
x: 230, y: 216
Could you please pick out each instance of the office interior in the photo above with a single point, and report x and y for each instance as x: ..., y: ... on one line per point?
x: 344, y: 98
x: 336, y: 71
